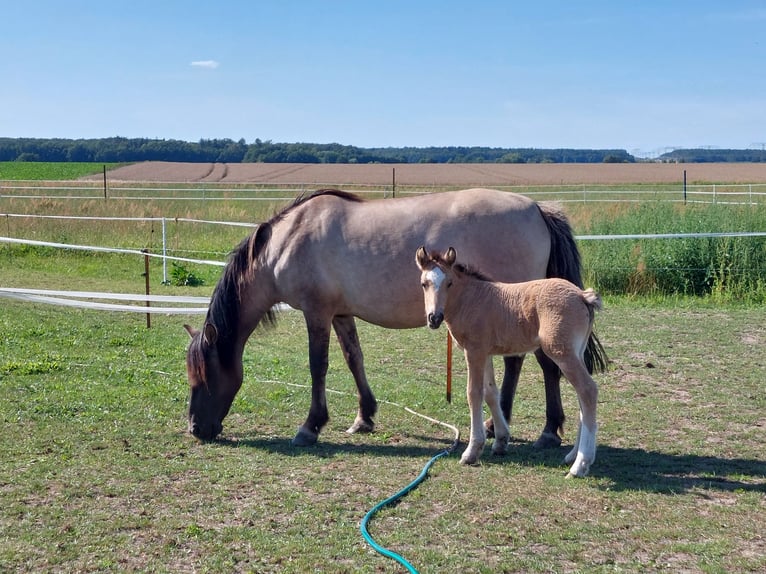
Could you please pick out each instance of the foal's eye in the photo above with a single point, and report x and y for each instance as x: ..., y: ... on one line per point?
x: 424, y: 285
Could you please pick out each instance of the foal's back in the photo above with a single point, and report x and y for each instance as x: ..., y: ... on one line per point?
x: 517, y: 318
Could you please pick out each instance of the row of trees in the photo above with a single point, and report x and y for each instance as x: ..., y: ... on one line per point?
x: 118, y: 149
x: 706, y: 155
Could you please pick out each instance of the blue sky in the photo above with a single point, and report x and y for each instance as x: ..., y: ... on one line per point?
x: 613, y: 74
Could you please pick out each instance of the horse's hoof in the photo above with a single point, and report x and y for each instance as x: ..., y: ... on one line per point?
x: 489, y: 428
x: 304, y: 438
x: 361, y: 426
x: 579, y: 470
x: 548, y: 440
x: 500, y: 447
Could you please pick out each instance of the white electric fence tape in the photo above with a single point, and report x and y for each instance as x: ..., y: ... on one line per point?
x: 75, y: 299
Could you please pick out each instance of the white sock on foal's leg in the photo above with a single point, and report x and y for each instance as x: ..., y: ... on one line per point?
x: 584, y: 451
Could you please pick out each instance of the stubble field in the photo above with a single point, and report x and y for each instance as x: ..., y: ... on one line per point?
x: 442, y: 174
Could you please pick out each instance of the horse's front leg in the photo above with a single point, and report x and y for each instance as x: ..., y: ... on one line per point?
x: 475, y: 395
x: 319, y: 343
x: 345, y: 329
x: 492, y: 396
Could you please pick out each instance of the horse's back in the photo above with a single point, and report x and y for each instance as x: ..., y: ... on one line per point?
x: 360, y: 254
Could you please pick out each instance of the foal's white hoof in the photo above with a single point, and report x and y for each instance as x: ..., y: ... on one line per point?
x: 469, y: 458
x: 579, y: 470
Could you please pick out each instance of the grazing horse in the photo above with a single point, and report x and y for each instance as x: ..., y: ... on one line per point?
x: 488, y: 318
x: 335, y: 257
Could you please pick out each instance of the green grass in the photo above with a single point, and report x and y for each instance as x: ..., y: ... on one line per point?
x: 32, y: 170
x: 97, y: 472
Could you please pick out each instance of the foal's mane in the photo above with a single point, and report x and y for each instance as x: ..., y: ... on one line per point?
x: 224, y: 309
x: 461, y: 268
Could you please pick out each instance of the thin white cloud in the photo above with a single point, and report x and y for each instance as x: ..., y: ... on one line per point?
x: 209, y: 64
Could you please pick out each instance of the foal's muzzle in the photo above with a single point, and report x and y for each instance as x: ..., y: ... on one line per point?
x: 435, y: 320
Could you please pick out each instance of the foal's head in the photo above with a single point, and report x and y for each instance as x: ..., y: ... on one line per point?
x: 436, y: 278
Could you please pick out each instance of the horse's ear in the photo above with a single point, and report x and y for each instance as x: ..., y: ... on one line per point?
x: 450, y: 256
x: 421, y: 257
x: 191, y: 330
x: 210, y: 333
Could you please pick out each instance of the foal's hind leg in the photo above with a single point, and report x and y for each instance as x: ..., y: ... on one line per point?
x: 583, y: 453
x: 345, y: 329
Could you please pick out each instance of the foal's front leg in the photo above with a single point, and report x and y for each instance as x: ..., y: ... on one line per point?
x: 475, y: 395
x: 500, y: 426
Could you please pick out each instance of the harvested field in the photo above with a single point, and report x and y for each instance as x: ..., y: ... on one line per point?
x: 473, y: 174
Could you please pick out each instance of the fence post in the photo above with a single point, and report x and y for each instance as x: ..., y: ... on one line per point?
x: 393, y: 182
x: 684, y: 187
x: 146, y: 274
x: 105, y: 194
x: 164, y: 255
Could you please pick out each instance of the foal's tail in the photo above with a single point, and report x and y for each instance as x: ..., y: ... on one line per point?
x: 592, y: 300
x: 564, y: 262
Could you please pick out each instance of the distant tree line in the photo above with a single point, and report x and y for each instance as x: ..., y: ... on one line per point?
x: 119, y: 149
x: 706, y: 155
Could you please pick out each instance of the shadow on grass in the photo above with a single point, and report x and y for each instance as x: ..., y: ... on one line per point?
x: 624, y: 468
x: 329, y: 449
x: 642, y: 470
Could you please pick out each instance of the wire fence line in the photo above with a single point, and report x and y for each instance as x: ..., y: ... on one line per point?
x: 738, y: 194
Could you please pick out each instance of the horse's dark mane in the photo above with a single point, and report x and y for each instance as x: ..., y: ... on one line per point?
x: 224, y: 309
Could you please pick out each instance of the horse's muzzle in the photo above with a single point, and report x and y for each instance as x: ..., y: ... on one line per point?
x: 205, y: 432
x: 435, y: 320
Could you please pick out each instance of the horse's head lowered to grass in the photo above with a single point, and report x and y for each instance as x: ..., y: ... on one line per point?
x: 212, y: 386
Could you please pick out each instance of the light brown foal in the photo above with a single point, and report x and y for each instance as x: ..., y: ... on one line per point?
x: 487, y: 318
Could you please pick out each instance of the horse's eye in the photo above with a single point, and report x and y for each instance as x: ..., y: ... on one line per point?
x: 449, y: 284
x: 424, y: 285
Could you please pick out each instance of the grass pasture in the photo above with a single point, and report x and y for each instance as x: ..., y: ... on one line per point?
x: 35, y: 171
x: 98, y: 474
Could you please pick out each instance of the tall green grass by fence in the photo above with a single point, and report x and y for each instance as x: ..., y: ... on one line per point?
x: 727, y: 268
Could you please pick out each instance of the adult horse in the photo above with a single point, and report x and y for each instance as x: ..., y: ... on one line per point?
x: 335, y: 257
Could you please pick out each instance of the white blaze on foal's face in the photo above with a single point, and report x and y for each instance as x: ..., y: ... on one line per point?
x: 436, y: 277
x: 434, y: 290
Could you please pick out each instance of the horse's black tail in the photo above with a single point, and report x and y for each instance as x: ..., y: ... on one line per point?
x: 564, y: 262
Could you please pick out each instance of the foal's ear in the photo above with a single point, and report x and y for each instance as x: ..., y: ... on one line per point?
x: 191, y: 330
x: 421, y: 257
x: 450, y: 256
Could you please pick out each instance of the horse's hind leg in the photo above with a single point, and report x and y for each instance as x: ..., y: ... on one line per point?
x: 345, y: 329
x: 554, y: 410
